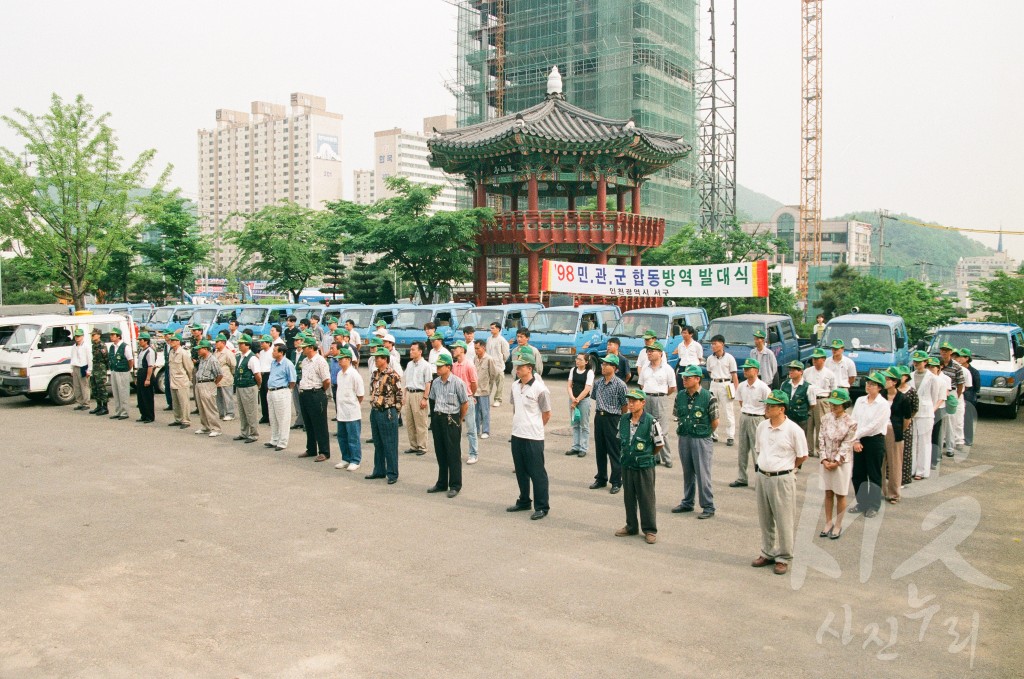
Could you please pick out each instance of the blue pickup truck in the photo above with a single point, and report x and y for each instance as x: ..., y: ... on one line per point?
x: 170, y: 318
x: 997, y: 352
x: 667, y: 323
x: 561, y: 332
x: 510, y: 317
x: 872, y: 342
x: 408, y: 325
x: 738, y: 332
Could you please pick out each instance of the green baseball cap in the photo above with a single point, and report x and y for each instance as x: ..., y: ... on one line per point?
x: 919, y: 356
x: 460, y: 344
x: 650, y: 334
x: 956, y: 352
x: 145, y: 335
x: 343, y: 332
x: 204, y: 344
x: 838, y: 344
x: 380, y: 351
x: 195, y: 326
x: 376, y: 342
x: 116, y: 331
x: 892, y: 373
x: 777, y: 398
x: 443, y: 359
x: 636, y: 394
x: 381, y: 323
x: 796, y: 365
x: 611, y: 359
x: 332, y: 319
x: 692, y: 371
x: 819, y: 353
x: 244, y: 339
x: 79, y: 332
x: 751, y: 363
x: 657, y: 346
x: 948, y: 346
x: 436, y: 336
x: 878, y: 377
x: 309, y: 342
x: 838, y: 397
x: 221, y: 337
x: 267, y: 338
x: 175, y: 337
x: 965, y: 352
x: 338, y: 333
x: 525, y: 357
x: 932, y: 360
x: 903, y: 369
x: 760, y: 334
x: 345, y: 352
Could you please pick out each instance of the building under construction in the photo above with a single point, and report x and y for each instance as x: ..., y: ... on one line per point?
x: 619, y: 58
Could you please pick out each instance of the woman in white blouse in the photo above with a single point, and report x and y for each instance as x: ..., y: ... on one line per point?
x: 872, y: 416
x: 579, y: 385
x: 835, y: 449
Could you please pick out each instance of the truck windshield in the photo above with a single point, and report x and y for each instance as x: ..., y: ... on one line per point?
x: 22, y: 338
x: 252, y: 316
x: 226, y: 315
x: 360, y: 317
x: 411, y: 319
x: 141, y: 315
x: 635, y: 325
x: 480, y: 319
x: 162, y: 315
x: 736, y: 333
x: 182, y: 315
x: 860, y: 337
x: 984, y: 346
x: 204, y: 316
x: 558, y: 322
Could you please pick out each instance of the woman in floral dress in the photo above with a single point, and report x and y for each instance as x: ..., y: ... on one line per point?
x: 835, y: 446
x: 907, y: 389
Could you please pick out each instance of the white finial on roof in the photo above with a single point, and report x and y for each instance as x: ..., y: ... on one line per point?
x: 554, y: 81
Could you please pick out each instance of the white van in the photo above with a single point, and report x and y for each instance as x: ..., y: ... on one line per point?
x: 36, y: 358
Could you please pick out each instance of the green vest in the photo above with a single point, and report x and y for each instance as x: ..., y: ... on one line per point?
x: 243, y: 376
x: 637, y: 453
x: 693, y: 414
x: 799, y: 406
x: 118, y: 362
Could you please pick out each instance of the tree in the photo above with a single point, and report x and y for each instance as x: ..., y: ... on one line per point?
x: 334, y: 280
x: 368, y: 284
x: 178, y: 247
x: 430, y: 251
x: 25, y: 282
x: 1001, y: 297
x: 835, y: 292
x: 75, y: 208
x: 286, y: 244
x: 114, y: 282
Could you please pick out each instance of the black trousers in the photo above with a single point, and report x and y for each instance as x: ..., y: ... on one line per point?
x: 144, y: 397
x: 638, y: 493
x: 606, y: 439
x: 264, y: 408
x: 447, y: 433
x: 867, y: 472
x: 528, y: 459
x: 167, y: 385
x: 313, y: 404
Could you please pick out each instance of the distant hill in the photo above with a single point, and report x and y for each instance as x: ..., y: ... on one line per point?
x: 752, y: 206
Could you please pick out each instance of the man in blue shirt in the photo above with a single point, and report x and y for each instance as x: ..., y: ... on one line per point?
x: 279, y: 398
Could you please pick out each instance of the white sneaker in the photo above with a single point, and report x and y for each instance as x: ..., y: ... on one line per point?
x: 485, y: 436
x: 341, y: 465
x: 214, y: 434
x: 202, y: 431
x: 228, y: 418
x: 353, y: 466
x: 496, y: 404
x: 471, y: 460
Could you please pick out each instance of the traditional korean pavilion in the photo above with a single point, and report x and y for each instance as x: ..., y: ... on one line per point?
x: 555, y: 149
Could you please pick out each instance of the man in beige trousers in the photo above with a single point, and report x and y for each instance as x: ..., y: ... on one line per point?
x: 180, y: 367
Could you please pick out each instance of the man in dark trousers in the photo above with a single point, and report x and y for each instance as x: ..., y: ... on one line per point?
x: 313, y: 387
x: 610, y: 395
x: 641, y: 438
x: 449, y: 398
x: 531, y: 410
x: 144, y: 382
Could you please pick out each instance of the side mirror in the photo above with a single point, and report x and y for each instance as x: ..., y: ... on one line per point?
x: 921, y: 345
x: 1018, y: 352
x: 900, y: 342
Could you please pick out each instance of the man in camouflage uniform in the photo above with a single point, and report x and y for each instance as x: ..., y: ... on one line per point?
x: 98, y: 378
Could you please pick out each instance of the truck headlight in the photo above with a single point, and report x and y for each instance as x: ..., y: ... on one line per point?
x: 19, y: 372
x: 565, y: 350
x: 999, y: 382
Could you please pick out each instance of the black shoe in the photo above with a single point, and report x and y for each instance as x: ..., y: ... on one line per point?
x: 518, y: 508
x: 583, y: 453
x: 435, y: 489
x: 182, y: 425
x: 169, y: 408
x: 194, y: 412
x: 295, y: 426
x: 238, y: 438
x: 572, y: 452
x: 615, y: 489
x: 374, y: 476
x: 729, y: 442
x: 366, y: 440
x: 250, y: 440
x: 174, y: 424
x: 269, y: 445
x: 264, y: 422
x: 949, y: 453
x: 123, y: 417
x: 409, y: 451
x: 452, y: 492
x: 856, y: 509
x: 94, y: 410
x: 279, y: 448
x: 870, y: 514
x: 392, y: 481
x: 306, y: 455
x: 81, y: 407
x: 680, y: 509
x: 705, y: 515
x: 539, y: 514
x: 421, y: 452
x: 115, y: 417
x: 597, y: 484
x: 147, y: 421
x: 142, y: 419
x: 103, y: 411
x: 738, y: 484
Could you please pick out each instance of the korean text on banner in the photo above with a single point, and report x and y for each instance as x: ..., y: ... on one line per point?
x: 741, y: 279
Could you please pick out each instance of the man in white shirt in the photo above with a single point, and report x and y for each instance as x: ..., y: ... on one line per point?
x: 871, y: 413
x: 81, y: 369
x: 929, y: 399
x: 531, y: 410
x: 347, y: 402
x: 765, y: 357
x: 659, y: 383
x: 751, y: 394
x: 724, y: 383
x: 823, y: 382
x: 842, y: 367
x: 499, y: 350
x: 266, y: 356
x: 436, y: 349
x: 689, y: 351
x: 354, y: 339
x: 781, y: 448
x: 418, y: 376
x: 641, y: 358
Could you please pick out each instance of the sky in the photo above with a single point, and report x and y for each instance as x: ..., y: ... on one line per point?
x: 921, y: 97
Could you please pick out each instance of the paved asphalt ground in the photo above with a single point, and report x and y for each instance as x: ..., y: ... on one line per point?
x: 130, y: 550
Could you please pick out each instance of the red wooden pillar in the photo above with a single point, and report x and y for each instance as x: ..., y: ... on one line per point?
x: 514, y: 202
x: 533, y: 199
x: 514, y: 283
x: 533, y: 294
x: 602, y: 193
x: 620, y: 201
x: 601, y: 258
x: 480, y: 200
x: 636, y: 199
x: 636, y: 259
x: 480, y: 284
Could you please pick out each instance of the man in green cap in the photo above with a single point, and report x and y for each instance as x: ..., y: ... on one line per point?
x: 781, y: 449
x: 197, y: 336
x: 658, y: 381
x: 314, y: 385
x: 642, y: 360
x: 609, y: 394
x: 144, y: 383
x: 802, y: 397
x: 266, y: 356
x: 449, y: 398
x: 972, y: 387
x: 942, y: 417
x: 437, y: 348
x: 954, y: 431
x: 751, y: 395
x: 122, y: 360
x: 765, y: 357
x: 297, y: 343
x: 81, y: 366
x: 348, y: 397
x: 98, y: 374
x: 697, y: 412
x: 641, y: 436
x: 247, y: 378
x: 523, y: 340
x: 823, y: 382
x: 225, y: 386
x: 180, y: 368
x: 844, y: 369
x: 207, y: 375
x: 386, y: 400
x: 531, y: 411
x: 872, y: 414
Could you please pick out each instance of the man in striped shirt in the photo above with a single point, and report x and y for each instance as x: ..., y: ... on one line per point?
x: 610, y: 396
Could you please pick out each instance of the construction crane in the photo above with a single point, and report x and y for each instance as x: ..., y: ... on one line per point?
x: 809, y: 244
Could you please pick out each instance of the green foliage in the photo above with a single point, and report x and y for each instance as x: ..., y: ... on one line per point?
x: 429, y: 251
x: 115, y: 280
x: 368, y: 284
x: 1002, y: 297
x: 72, y: 207
x: 178, y: 247
x: 921, y: 305
x: 269, y: 301
x: 286, y: 243
x: 334, y: 280
x: 25, y: 282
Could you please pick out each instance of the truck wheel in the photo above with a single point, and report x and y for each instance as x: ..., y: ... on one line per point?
x: 61, y: 390
x: 546, y: 371
x: 158, y: 386
x: 1010, y: 411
